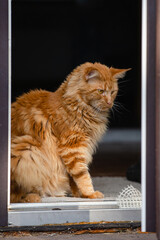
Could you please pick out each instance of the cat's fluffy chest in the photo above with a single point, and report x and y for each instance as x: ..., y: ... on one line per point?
x: 78, y: 128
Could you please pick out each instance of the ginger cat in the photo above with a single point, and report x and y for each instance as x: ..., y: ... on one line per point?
x: 54, y: 134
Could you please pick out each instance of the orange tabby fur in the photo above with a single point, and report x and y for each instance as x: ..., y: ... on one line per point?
x: 54, y: 134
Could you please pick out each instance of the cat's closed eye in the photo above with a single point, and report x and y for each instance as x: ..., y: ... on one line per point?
x: 114, y: 91
x: 101, y: 91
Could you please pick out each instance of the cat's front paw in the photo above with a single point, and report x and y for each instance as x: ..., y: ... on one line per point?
x: 95, y: 194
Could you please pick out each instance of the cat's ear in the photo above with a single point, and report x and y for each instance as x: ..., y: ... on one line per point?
x: 92, y: 75
x: 118, y: 73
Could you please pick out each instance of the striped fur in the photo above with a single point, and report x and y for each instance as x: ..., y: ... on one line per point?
x: 54, y: 134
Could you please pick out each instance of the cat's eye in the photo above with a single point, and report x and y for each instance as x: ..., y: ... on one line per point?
x: 101, y: 91
x: 114, y: 91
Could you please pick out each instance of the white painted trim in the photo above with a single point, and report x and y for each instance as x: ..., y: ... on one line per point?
x: 64, y: 205
x: 40, y: 217
x: 32, y: 214
x: 144, y: 110
x: 9, y: 94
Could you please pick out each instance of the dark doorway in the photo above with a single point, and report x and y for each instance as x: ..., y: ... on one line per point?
x: 50, y: 38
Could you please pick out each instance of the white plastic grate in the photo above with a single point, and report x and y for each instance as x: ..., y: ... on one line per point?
x: 129, y: 197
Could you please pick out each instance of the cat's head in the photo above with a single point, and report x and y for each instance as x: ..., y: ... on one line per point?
x: 96, y: 84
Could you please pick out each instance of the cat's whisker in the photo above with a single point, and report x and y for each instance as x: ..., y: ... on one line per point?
x: 116, y: 109
x: 112, y: 111
x: 120, y: 95
x: 120, y: 106
x: 124, y: 81
x: 121, y: 90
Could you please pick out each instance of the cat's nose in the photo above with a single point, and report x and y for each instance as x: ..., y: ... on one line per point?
x: 109, y: 102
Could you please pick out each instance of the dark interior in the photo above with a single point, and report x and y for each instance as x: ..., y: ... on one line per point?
x: 51, y: 37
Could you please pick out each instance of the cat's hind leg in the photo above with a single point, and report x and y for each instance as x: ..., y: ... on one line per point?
x: 18, y: 195
x: 26, y: 176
